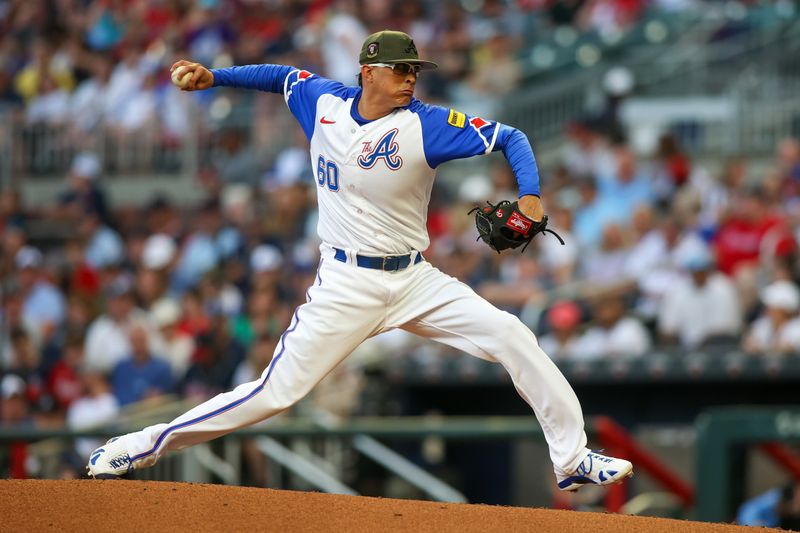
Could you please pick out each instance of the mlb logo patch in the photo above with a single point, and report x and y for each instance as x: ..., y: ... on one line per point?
x: 372, y: 49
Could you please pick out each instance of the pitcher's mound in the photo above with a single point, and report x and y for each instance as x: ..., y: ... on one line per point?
x: 145, y: 506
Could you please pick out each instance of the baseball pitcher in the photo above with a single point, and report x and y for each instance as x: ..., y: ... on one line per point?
x: 374, y: 152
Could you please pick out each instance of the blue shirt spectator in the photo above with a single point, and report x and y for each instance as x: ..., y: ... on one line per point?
x: 595, y: 214
x: 105, y: 248
x: 628, y: 187
x: 142, y: 376
x: 42, y: 302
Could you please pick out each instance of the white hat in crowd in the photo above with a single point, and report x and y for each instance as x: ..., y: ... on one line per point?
x: 87, y: 165
x: 165, y: 312
x: 12, y: 385
x: 265, y: 257
x: 159, y: 249
x: 781, y: 295
x: 28, y: 257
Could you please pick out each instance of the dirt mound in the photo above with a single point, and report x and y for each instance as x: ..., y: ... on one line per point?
x: 138, y: 506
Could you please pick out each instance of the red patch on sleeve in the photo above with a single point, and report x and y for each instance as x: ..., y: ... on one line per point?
x: 477, y: 122
x: 303, y: 74
x: 519, y: 223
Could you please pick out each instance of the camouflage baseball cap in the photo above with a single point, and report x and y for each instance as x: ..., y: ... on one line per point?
x: 390, y: 46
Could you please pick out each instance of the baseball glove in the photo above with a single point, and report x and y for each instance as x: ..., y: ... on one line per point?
x: 503, y: 226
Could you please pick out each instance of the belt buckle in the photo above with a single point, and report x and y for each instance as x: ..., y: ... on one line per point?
x: 386, y: 259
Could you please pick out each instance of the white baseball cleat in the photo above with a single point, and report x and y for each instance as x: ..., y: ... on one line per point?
x: 596, y: 469
x: 110, y: 461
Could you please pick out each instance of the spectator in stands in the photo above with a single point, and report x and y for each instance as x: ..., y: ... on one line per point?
x: 44, y: 62
x: 79, y: 316
x: 519, y: 284
x: 604, y: 267
x: 178, y: 345
x: 95, y: 406
x: 586, y: 152
x: 24, y: 360
x: 236, y: 159
x: 207, y: 34
x: 258, y: 358
x: 156, y: 261
x: 716, y: 197
x: 778, y: 329
x: 265, y: 266
x: 104, y: 246
x: 88, y: 107
x: 701, y: 308
x: 135, y: 124
x: 629, y: 186
x: 342, y: 35
x: 84, y: 195
x: 126, y: 79
x: 615, y: 333
x: 162, y: 216
x: 496, y: 72
x: 63, y: 381
x: 43, y: 307
x: 265, y: 316
x: 673, y: 168
x: 562, y: 342
x: 593, y: 214
x: 50, y: 105
x: 654, y: 260
x: 142, y: 375
x: 216, y: 358
x: 742, y: 238
x: 199, y: 253
x: 739, y: 237
x: 107, y: 340
x: 560, y: 262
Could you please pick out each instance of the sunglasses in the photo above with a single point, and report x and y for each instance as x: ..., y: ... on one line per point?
x: 402, y: 69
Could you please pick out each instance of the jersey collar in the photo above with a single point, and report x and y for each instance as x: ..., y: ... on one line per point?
x: 361, y: 121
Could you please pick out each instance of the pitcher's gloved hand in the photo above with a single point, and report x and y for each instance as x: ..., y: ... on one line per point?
x: 503, y: 226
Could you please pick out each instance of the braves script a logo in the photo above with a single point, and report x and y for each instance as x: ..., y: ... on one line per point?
x: 386, y: 148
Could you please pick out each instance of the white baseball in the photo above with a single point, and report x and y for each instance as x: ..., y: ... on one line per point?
x: 180, y: 76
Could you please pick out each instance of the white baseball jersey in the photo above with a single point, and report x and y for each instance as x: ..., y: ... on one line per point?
x: 375, y: 177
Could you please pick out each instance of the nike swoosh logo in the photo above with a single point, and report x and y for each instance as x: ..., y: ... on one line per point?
x: 324, y: 121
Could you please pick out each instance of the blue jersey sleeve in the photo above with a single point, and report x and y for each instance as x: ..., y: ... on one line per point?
x: 449, y: 134
x: 302, y: 89
x: 268, y: 78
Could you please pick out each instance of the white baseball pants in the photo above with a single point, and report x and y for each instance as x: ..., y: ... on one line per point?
x: 348, y: 304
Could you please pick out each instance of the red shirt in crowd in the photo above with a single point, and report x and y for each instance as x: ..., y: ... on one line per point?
x: 738, y: 240
x: 63, y: 384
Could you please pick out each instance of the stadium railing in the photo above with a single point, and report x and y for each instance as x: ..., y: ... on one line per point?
x: 756, y: 71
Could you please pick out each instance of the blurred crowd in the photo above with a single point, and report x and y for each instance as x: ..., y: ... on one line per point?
x: 133, y: 303
x: 127, y: 304
x: 86, y: 64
